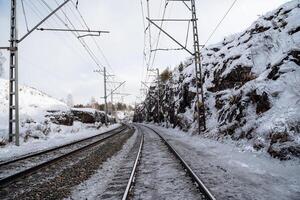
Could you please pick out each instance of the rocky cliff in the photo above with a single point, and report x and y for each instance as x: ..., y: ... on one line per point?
x: 251, y: 86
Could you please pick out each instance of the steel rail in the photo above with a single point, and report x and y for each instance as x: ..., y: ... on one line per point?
x: 33, y: 169
x: 131, y: 179
x: 193, y: 175
x: 58, y: 147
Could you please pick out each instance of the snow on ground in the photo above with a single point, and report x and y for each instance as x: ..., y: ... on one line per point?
x: 69, y: 134
x: 66, y: 135
x: 234, y: 173
x: 124, y: 115
x: 96, y: 185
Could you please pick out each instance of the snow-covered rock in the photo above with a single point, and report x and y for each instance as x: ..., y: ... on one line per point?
x: 90, y: 115
x: 251, y: 87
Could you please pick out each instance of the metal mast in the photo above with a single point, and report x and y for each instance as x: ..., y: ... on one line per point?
x: 158, y: 96
x: 198, y: 68
x: 13, y: 129
x: 105, y: 95
x: 196, y: 54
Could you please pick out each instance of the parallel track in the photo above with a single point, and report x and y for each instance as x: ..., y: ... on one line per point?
x: 3, y: 163
x: 203, y: 189
x: 30, y: 170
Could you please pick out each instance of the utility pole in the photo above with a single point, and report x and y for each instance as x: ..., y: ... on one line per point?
x: 13, y: 129
x: 158, y: 92
x: 105, y: 77
x: 196, y: 54
x: 158, y: 96
x: 111, y: 100
x: 105, y: 96
x: 198, y: 70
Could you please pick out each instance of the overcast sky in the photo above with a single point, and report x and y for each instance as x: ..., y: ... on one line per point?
x: 57, y: 64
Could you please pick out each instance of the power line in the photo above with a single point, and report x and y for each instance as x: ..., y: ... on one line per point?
x: 38, y: 13
x: 210, y: 36
x: 76, y: 34
x: 24, y: 13
x: 94, y: 40
x: 159, y: 33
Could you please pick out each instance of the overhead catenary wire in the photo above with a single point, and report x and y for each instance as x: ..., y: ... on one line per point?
x: 83, y: 23
x: 220, y: 22
x: 149, y: 31
x: 159, y: 33
x: 37, y: 11
x: 24, y: 13
x: 76, y: 34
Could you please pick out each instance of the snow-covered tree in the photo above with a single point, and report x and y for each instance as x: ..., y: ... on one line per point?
x: 70, y: 101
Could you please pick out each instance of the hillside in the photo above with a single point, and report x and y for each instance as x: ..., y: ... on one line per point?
x: 33, y: 106
x: 251, y: 86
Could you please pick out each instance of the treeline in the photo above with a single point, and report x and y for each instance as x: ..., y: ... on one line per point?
x: 111, y: 107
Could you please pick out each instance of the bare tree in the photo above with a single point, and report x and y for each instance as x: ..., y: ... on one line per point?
x: 93, y: 102
x: 70, y: 101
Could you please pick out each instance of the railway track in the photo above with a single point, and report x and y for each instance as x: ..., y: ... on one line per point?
x: 126, y: 179
x: 120, y: 185
x: 204, y: 191
x: 17, y: 168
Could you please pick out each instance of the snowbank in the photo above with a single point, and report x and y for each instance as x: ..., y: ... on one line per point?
x: 231, y: 172
x: 66, y: 135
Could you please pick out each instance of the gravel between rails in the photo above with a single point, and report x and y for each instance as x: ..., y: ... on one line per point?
x: 56, y: 181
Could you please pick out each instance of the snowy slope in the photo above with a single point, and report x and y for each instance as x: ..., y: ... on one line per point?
x: 33, y: 105
x: 251, y: 87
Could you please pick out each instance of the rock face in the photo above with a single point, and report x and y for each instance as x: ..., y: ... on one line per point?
x: 61, y: 118
x: 87, y: 116
x: 251, y: 87
x: 84, y: 117
x: 90, y: 116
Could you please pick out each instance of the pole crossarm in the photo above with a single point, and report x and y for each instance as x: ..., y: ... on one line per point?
x: 122, y: 94
x: 6, y: 48
x: 166, y: 49
x: 167, y: 34
x: 89, y: 32
x: 71, y: 30
x: 42, y: 21
x: 112, y: 92
x: 172, y: 20
x: 145, y: 84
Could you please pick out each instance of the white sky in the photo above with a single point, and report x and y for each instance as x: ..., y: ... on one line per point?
x: 56, y: 63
